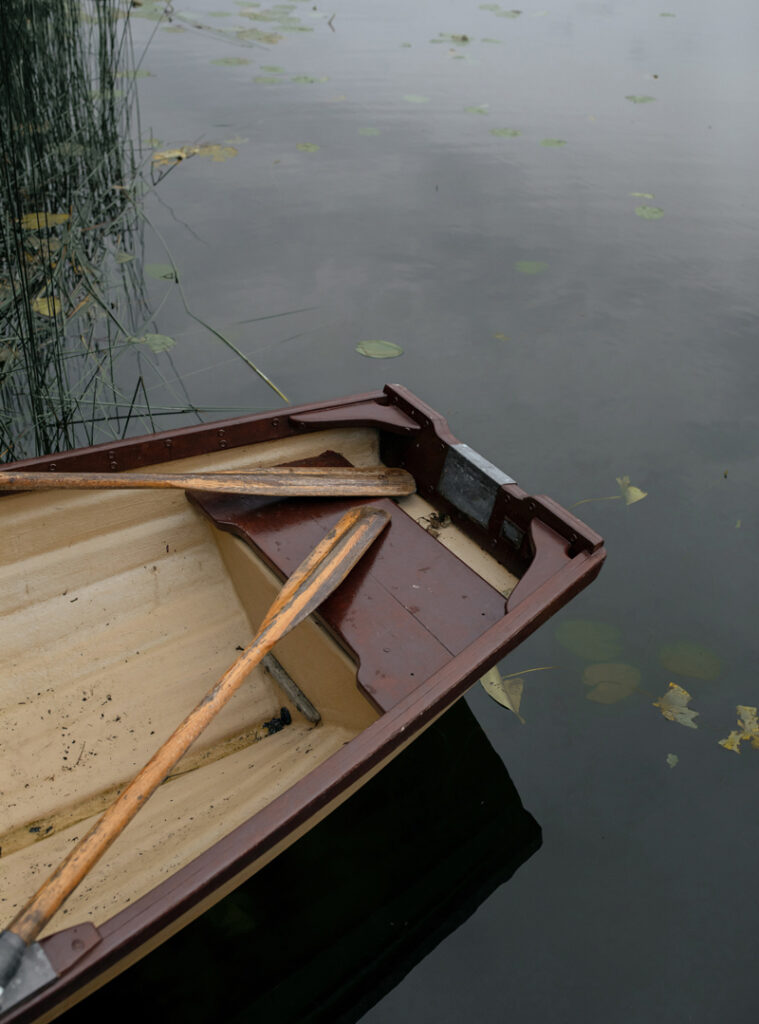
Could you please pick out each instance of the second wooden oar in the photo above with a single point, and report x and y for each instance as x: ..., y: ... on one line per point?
x: 298, y: 481
x: 314, y: 580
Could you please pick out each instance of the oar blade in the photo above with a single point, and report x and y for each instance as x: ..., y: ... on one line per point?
x: 328, y: 564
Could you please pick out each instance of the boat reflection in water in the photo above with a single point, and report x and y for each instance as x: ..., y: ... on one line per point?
x: 324, y: 931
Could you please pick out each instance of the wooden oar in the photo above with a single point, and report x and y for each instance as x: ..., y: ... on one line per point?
x: 301, y: 481
x: 314, y: 580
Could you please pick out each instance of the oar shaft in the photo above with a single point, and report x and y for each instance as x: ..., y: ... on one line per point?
x: 299, y: 481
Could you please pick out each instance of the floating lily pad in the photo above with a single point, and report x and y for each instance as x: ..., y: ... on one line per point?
x: 649, y: 212
x: 155, y: 342
x: 501, y: 337
x: 307, y: 147
x: 505, y: 133
x: 368, y: 131
x: 231, y: 62
x: 667, y: 14
x: 643, y: 195
x: 308, y: 79
x: 482, y: 109
x: 641, y: 99
x: 161, y: 271
x: 610, y: 681
x: 379, y: 349
x: 508, y: 14
x: 691, y: 660
x: 415, y: 98
x: 274, y: 68
x: 267, y: 80
x: 530, y: 266
x: 553, y: 142
x: 589, y: 639
x: 672, y: 760
x: 217, y: 153
x: 489, y: 39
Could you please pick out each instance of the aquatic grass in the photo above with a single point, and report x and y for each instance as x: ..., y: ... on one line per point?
x: 72, y: 233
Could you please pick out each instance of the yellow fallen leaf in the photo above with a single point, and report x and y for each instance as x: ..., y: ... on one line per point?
x: 38, y: 221
x: 217, y: 153
x: 749, y: 730
x: 674, y: 706
x: 629, y: 492
x: 167, y: 156
x: 611, y: 681
x: 506, y: 692
x: 46, y: 306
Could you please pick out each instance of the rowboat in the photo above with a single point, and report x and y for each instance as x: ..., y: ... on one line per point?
x: 120, y: 607
x: 434, y: 833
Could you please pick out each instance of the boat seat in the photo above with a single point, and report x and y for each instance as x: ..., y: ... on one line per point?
x: 404, y: 610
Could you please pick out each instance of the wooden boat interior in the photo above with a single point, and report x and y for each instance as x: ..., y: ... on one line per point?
x: 119, y: 610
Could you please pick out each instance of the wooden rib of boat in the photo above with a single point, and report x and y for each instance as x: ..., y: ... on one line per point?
x: 120, y: 608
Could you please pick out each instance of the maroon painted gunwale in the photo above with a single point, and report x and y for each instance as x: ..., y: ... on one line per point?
x: 131, y: 928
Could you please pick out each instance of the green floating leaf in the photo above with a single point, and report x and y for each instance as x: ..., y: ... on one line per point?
x: 530, y: 266
x: 271, y: 67
x: 501, y: 337
x: 553, y: 142
x: 589, y: 639
x: 267, y: 80
x: 667, y: 14
x: 379, y: 349
x: 161, y: 271
x: 687, y: 659
x: 611, y: 681
x: 508, y: 14
x: 155, y: 342
x: 415, y: 98
x: 368, y: 131
x: 649, y: 212
x: 308, y: 79
x: 674, y: 706
x: 641, y: 99
x: 505, y: 133
x: 629, y: 492
x: 483, y: 109
x: 405, y: 46
x: 230, y: 62
x: 506, y: 692
x: 489, y: 39
x: 643, y: 195
x: 748, y: 729
x: 672, y: 760
x: 307, y: 147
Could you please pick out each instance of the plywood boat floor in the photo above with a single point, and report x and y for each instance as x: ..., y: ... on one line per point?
x: 110, y: 635
x: 117, y: 613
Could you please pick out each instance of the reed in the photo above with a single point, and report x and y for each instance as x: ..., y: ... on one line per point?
x: 73, y: 303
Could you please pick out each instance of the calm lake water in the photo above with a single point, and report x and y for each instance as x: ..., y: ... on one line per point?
x: 556, y: 219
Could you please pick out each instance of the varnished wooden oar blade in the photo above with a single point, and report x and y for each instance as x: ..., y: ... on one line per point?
x: 314, y: 580
x: 285, y: 481
x: 338, y: 552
